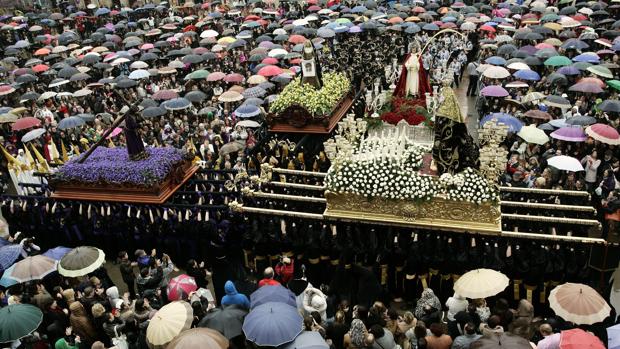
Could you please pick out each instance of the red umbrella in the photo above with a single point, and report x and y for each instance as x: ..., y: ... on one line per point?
x: 592, y: 80
x: 6, y: 89
x: 579, y: 339
x: 165, y: 95
x: 189, y: 28
x: 296, y: 39
x: 39, y: 68
x: 180, y: 287
x: 42, y: 52
x: 487, y: 28
x: 216, y: 76
x: 234, y: 77
x: 603, y: 133
x: 270, y: 60
x: 27, y: 122
x: 252, y: 18
x: 314, y: 8
x: 270, y: 70
x: 538, y: 114
x: 395, y: 20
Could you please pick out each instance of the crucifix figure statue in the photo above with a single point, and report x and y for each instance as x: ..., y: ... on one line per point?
x: 135, y: 146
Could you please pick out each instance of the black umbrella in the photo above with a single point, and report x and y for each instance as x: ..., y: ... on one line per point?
x: 152, y: 112
x: 148, y: 103
x: 126, y: 83
x: 67, y: 72
x: 91, y: 59
x: 581, y: 120
x: 79, y: 77
x: 227, y: 320
x: 195, y: 96
x: 192, y: 59
x: 610, y: 105
x: 26, y: 78
x: 29, y: 96
x: 557, y: 79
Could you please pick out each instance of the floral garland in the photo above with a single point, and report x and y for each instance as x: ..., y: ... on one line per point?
x: 317, y: 102
x: 468, y: 185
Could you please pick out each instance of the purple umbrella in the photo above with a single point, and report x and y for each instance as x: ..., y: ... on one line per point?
x: 494, y: 91
x: 569, y: 70
x: 570, y: 134
x: 529, y: 49
x: 586, y: 87
x: 57, y: 252
x: 526, y: 74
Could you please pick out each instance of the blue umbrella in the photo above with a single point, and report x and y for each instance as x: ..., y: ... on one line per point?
x: 152, y: 112
x: 6, y: 280
x: 57, y: 252
x: 326, y: 32
x: 268, y: 294
x: 585, y: 57
x: 430, y: 27
x: 176, y: 104
x: 309, y: 340
x: 102, y: 11
x: 569, y: 70
x: 9, y: 254
x: 254, y: 92
x: 253, y: 101
x: 412, y: 29
x: 247, y: 111
x: 495, y: 60
x: 613, y: 337
x: 526, y: 74
x: 559, y: 123
x: 359, y: 9
x: 272, y: 324
x: 514, y: 124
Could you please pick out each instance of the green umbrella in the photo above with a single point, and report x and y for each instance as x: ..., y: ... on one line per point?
x: 582, y: 65
x: 197, y: 75
x: 550, y: 17
x: 601, y: 71
x: 614, y: 83
x: 18, y: 321
x: 557, y: 61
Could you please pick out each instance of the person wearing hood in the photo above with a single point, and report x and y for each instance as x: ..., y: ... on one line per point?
x: 315, y: 300
x: 234, y: 297
x: 81, y: 323
x: 113, y: 296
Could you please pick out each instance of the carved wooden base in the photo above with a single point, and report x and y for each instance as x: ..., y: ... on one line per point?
x: 438, y: 213
x: 121, y: 194
x: 283, y: 124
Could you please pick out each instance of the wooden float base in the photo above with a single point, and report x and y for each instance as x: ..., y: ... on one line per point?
x: 130, y: 195
x: 281, y: 125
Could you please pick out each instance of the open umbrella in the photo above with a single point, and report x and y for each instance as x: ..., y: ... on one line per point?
x: 537, y: 114
x: 272, y: 324
x: 494, y: 91
x: 247, y: 111
x: 81, y: 261
x: 603, y: 133
x: 70, y: 122
x: 199, y: 338
x: 275, y: 293
x: 569, y: 134
x: 481, y: 283
x: 33, y: 134
x: 24, y: 123
x: 248, y: 123
x: 531, y: 134
x: 613, y: 337
x: 565, y: 163
x: 18, y: 321
x: 6, y: 280
x: 307, y: 340
x: 165, y: 95
x: 581, y: 120
x: 495, y: 72
x: 557, y: 101
x: 57, y: 252
x: 177, y: 104
x: 172, y: 319
x: 502, y: 341
x: 180, y: 287
x: 514, y: 124
x: 586, y: 87
x: 33, y: 268
x: 230, y: 96
x: 610, y: 106
x: 9, y: 254
x: 227, y: 320
x: 152, y: 112
x: 579, y: 339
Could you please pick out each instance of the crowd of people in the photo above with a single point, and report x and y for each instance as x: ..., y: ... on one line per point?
x: 196, y: 72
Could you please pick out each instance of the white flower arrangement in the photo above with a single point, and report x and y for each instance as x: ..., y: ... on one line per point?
x: 317, y: 102
x: 469, y: 186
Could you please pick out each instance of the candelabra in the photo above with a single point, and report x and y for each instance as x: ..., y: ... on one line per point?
x: 348, y: 135
x: 492, y: 156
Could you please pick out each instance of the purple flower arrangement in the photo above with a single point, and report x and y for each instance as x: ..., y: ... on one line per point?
x: 113, y: 166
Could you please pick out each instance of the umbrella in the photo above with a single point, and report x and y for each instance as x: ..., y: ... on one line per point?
x: 610, y: 105
x: 227, y: 320
x: 532, y: 97
x: 195, y: 96
x: 527, y: 74
x: 8, y: 118
x: 165, y: 95
x: 557, y: 101
x: 603, y: 133
x: 199, y: 338
x: 537, y: 114
x: 502, y: 341
x: 248, y: 123
x: 24, y: 123
x: 272, y: 324
x: 57, y: 252
x: 494, y: 91
x: 275, y: 293
x: 232, y: 147
x: 18, y: 321
x: 579, y: 339
x: 565, y: 163
x: 569, y: 134
x: 307, y: 340
x: 613, y: 337
x: 247, y: 111
x: 558, y: 61
x: 180, y: 287
x: 230, y: 96
x: 270, y: 70
x: 531, y: 134
x: 514, y: 124
x: 152, y: 112
x: 495, y: 72
x: 6, y: 280
x: 177, y: 104
x: 586, y: 87
x: 481, y: 283
x: 601, y: 71
x: 581, y: 120
x: 33, y: 134
x: 81, y: 261
x: 9, y: 254
x: 33, y: 268
x: 70, y: 122
x: 139, y: 74
x: 172, y: 319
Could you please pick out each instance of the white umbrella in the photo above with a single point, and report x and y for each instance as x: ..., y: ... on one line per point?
x: 277, y: 52
x: 47, y: 95
x: 82, y: 92
x: 566, y: 163
x: 139, y: 74
x: 34, y: 134
x: 532, y: 134
x: 481, y: 283
x: 167, y: 323
x: 248, y: 123
x: 578, y: 303
x: 519, y: 66
x: 495, y: 72
x: 209, y: 34
x: 138, y: 65
x: 468, y: 26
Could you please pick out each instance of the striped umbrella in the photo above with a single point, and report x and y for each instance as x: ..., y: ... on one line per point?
x: 180, y: 287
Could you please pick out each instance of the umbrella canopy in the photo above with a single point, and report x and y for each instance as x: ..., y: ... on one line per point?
x: 24, y: 123
x: 603, y: 133
x: 180, y: 287
x: 227, y: 320
x: 531, y: 134
x: 152, y: 112
x: 565, y: 163
x: 33, y: 134
x: 18, y: 321
x: 247, y: 111
x: 177, y: 104
x: 581, y: 120
x: 514, y: 124
x: 503, y: 341
x: 248, y: 123
x: 230, y: 96
x: 569, y: 134
x: 579, y: 339
x: 9, y: 254
x: 275, y: 293
x: 537, y: 114
x: 81, y: 261
x: 610, y: 106
x: 307, y: 340
x: 57, y: 253
x: 481, y: 283
x: 70, y: 122
x: 494, y: 91
x: 613, y: 337
x: 586, y: 87
x: 195, y: 96
x: 6, y: 280
x: 33, y: 268
x: 172, y: 319
x: 496, y: 72
x: 272, y: 324
x: 199, y: 338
